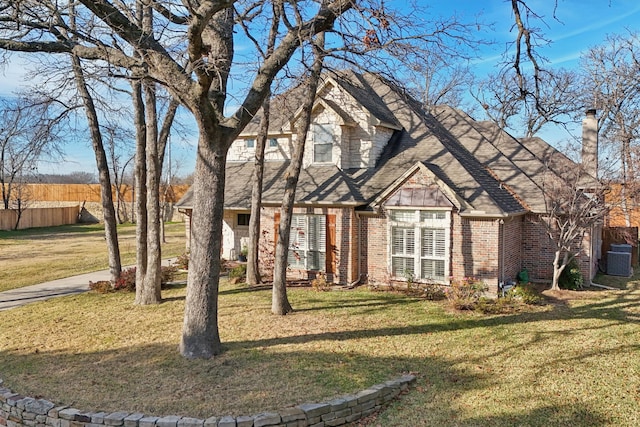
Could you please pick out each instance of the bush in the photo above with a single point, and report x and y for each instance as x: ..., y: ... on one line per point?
x: 101, y: 286
x: 182, y: 262
x: 527, y: 294
x: 433, y: 291
x: 320, y: 282
x: 238, y: 273
x: 167, y: 274
x: 464, y: 294
x: 571, y: 277
x: 126, y: 282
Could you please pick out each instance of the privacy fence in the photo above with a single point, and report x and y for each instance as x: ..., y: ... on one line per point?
x: 47, y: 205
x: 91, y: 192
x: 39, y: 217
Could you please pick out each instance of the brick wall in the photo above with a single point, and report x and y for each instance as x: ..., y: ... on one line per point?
x: 511, y: 252
x: 375, y: 248
x: 538, y: 251
x: 475, y: 249
x: 345, y: 254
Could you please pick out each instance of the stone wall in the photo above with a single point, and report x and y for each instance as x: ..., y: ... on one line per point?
x: 21, y: 411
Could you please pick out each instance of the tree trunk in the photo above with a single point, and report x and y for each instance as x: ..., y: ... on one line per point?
x: 154, y: 250
x: 142, y: 296
x: 558, y: 268
x: 279, y: 301
x: 110, y: 227
x: 253, y: 265
x: 200, y: 337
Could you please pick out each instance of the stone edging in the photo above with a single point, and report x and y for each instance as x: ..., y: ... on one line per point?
x: 21, y: 411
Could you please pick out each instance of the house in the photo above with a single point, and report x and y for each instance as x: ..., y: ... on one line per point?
x: 391, y: 192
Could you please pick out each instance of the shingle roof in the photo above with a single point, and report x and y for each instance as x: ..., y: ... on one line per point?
x: 492, y: 172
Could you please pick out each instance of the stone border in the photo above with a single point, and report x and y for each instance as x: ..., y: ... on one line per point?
x: 21, y: 411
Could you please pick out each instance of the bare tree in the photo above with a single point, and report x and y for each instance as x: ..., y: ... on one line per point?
x: 29, y: 130
x: 556, y: 100
x: 279, y: 300
x: 611, y: 83
x: 119, y: 161
x: 192, y: 55
x: 575, y: 206
x: 253, y: 264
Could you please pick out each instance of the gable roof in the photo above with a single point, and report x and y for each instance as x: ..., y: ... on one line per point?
x: 487, y: 170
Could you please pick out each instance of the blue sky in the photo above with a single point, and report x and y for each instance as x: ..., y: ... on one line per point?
x: 581, y: 24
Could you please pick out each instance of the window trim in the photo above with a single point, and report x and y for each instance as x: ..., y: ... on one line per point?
x: 315, y: 142
x: 418, y: 223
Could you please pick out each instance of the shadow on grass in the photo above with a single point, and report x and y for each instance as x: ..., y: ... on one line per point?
x: 619, y: 308
x: 255, y: 375
x: 153, y: 379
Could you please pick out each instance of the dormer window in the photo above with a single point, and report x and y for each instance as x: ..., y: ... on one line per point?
x: 322, y: 143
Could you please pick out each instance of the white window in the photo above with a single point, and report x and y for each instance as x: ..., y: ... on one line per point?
x: 307, y: 242
x: 322, y: 143
x: 273, y: 142
x: 249, y: 143
x: 419, y: 244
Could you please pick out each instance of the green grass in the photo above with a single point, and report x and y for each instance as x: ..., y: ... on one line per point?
x: 38, y: 255
x: 574, y: 362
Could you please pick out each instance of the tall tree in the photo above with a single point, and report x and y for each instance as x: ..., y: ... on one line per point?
x: 253, y: 257
x: 29, y: 130
x: 279, y: 300
x: 611, y: 84
x: 192, y: 57
x: 93, y: 121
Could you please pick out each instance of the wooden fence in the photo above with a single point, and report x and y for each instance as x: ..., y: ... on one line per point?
x: 90, y: 192
x: 621, y: 235
x: 39, y: 217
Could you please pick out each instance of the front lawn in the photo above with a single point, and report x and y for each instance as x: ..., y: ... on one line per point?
x: 37, y: 255
x: 571, y: 363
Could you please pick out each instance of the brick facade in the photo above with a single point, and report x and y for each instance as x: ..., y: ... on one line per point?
x: 346, y: 233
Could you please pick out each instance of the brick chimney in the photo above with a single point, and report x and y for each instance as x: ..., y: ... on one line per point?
x: 590, y: 143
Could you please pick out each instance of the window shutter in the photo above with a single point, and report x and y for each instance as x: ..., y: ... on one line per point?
x: 439, y: 247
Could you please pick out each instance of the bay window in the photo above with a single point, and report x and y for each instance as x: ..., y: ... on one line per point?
x: 419, y: 243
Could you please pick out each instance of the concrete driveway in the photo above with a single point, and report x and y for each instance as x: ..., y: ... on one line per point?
x: 55, y: 288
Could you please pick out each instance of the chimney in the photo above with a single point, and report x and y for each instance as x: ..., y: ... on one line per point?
x: 590, y: 143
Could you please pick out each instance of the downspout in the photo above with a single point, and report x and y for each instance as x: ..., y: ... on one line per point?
x: 358, y: 248
x: 502, y: 233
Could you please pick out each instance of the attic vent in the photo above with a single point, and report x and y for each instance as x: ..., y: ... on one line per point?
x: 619, y: 263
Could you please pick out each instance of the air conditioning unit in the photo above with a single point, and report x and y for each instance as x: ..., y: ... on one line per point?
x: 620, y: 248
x: 619, y: 263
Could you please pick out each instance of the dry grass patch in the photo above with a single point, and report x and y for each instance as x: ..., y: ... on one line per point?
x: 576, y: 363
x: 38, y: 255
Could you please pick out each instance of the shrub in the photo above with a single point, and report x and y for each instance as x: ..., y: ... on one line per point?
x: 320, y: 282
x: 527, y: 294
x: 101, y: 286
x: 571, y: 277
x: 182, y: 262
x: 238, y: 273
x: 168, y: 273
x: 126, y: 282
x: 464, y: 294
x: 433, y: 291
